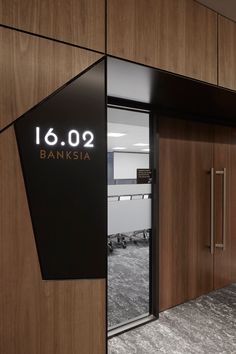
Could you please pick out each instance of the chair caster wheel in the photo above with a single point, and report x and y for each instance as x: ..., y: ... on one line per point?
x: 124, y: 245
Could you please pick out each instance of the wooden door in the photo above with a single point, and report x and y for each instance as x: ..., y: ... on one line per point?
x: 185, y: 159
x: 232, y: 203
x: 222, y: 196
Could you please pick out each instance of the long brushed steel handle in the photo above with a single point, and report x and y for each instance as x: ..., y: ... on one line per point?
x: 223, y: 244
x: 212, y: 210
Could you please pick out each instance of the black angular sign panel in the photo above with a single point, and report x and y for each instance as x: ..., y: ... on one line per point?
x: 62, y: 145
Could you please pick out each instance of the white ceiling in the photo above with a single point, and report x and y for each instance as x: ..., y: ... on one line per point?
x: 134, y: 125
x: 224, y: 7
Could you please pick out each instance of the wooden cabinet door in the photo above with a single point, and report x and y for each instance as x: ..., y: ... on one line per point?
x: 222, y: 196
x: 185, y: 159
x: 227, y: 53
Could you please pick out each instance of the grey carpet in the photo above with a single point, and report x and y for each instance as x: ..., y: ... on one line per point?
x: 206, y: 325
x: 128, y: 283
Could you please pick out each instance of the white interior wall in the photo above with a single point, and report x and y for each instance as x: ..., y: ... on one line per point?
x: 126, y: 164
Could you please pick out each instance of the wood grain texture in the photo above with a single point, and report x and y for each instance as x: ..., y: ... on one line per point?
x: 232, y: 201
x: 32, y: 68
x: 175, y: 35
x: 81, y: 22
x: 186, y: 264
x: 39, y: 317
x: 227, y: 53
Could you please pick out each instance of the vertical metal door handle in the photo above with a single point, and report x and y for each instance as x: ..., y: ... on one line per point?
x: 224, y: 211
x: 212, y: 210
x: 222, y: 245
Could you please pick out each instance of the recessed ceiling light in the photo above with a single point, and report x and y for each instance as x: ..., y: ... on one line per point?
x: 119, y: 148
x: 141, y: 144
x: 147, y: 150
x: 115, y: 135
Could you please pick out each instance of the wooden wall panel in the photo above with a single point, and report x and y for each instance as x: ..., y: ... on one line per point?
x: 31, y: 68
x: 81, y: 22
x: 232, y: 200
x: 227, y: 53
x: 176, y: 35
x: 186, y: 264
x: 39, y: 317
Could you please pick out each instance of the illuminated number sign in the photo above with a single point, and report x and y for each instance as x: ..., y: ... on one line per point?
x: 73, y: 138
x: 62, y: 145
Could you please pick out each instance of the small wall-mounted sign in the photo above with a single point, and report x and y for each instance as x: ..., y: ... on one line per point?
x: 144, y: 175
x: 62, y: 144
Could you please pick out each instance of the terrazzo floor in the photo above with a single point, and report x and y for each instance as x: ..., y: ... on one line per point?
x: 206, y: 325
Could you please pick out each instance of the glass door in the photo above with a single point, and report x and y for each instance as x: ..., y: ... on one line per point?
x: 129, y: 216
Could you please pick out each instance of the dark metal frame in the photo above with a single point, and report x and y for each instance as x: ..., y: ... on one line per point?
x: 118, y: 103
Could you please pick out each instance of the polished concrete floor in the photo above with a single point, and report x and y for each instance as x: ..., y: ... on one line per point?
x: 206, y: 325
x: 128, y: 282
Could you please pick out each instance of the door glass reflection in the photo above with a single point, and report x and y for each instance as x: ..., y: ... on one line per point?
x: 129, y: 216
